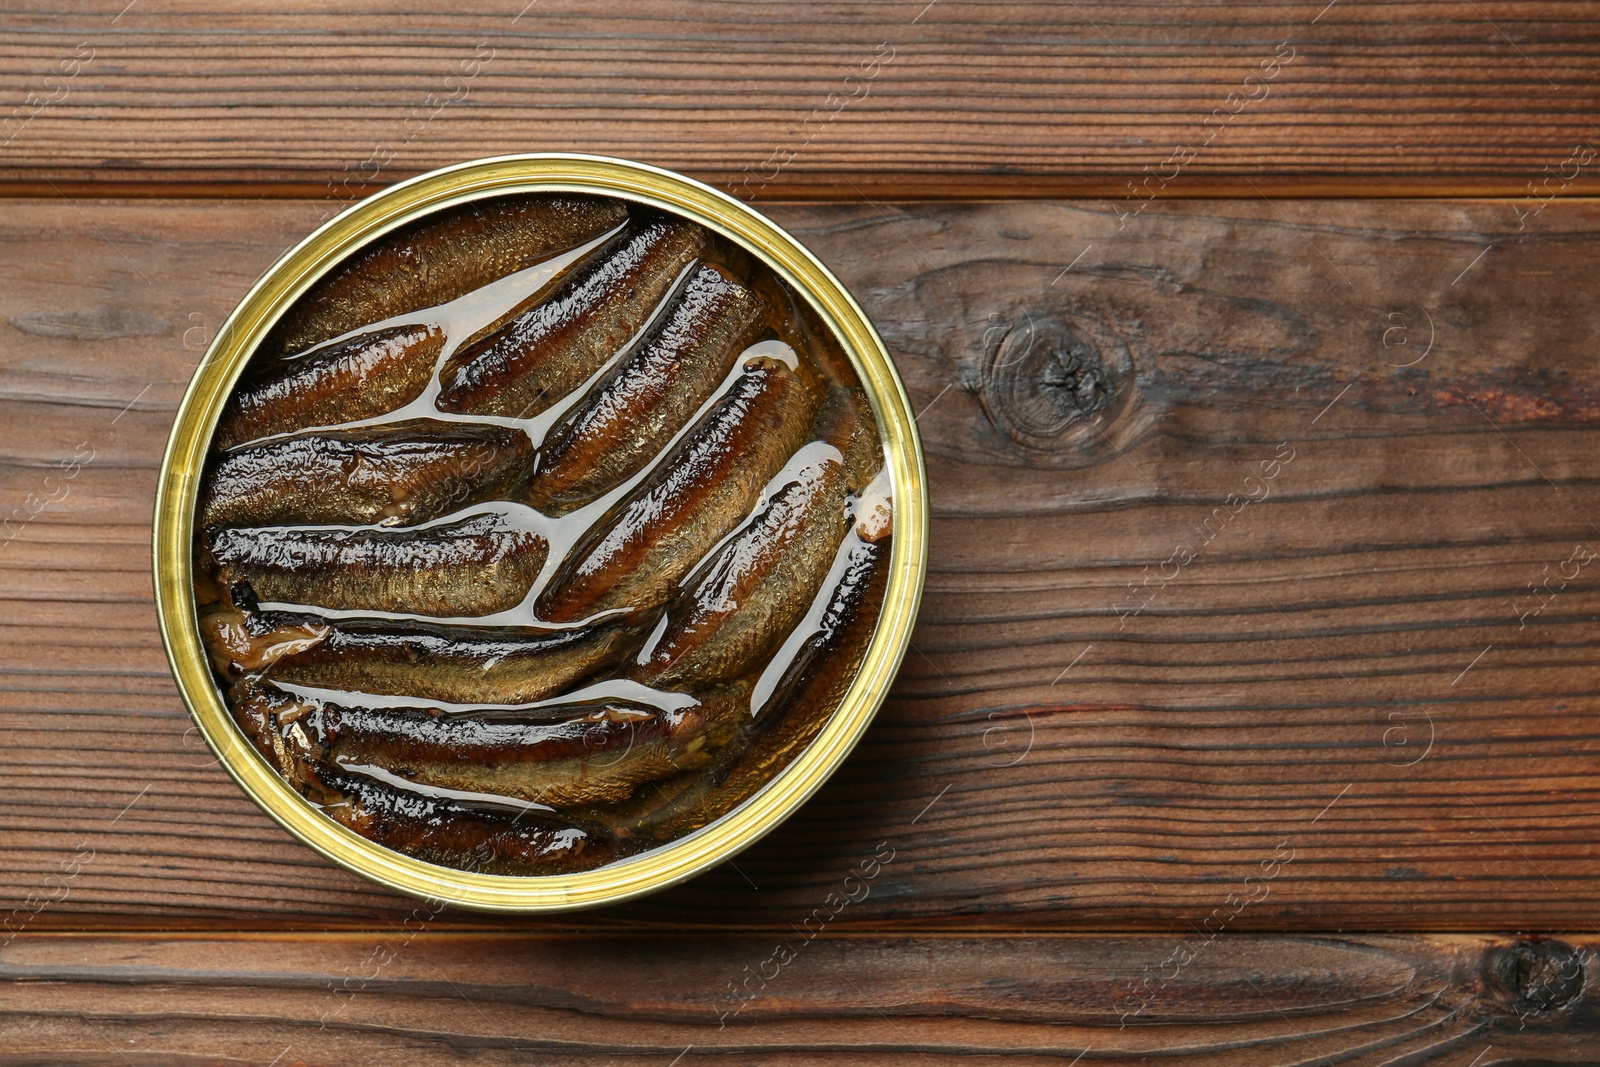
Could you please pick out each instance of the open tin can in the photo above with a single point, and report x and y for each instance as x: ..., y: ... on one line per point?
x: 180, y: 478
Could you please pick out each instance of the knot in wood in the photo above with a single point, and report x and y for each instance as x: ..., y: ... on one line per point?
x: 1046, y: 383
x: 1536, y: 976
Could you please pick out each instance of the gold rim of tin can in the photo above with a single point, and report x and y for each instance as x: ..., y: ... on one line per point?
x: 276, y: 291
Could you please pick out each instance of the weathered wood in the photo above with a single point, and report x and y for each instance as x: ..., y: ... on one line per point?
x: 945, y: 99
x: 1347, y: 684
x: 410, y: 998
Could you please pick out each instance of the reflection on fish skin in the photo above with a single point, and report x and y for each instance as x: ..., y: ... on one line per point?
x: 846, y: 421
x: 547, y: 352
x: 454, y: 664
x: 847, y: 624
x: 427, y: 661
x: 690, y: 501
x: 630, y: 415
x: 725, y: 711
x: 759, y: 585
x: 466, y: 835
x: 473, y: 566
x: 362, y: 378
x: 817, y: 678
x: 593, y: 752
x: 395, y: 474
x: 438, y: 259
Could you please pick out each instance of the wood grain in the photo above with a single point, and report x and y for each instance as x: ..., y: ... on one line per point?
x: 901, y: 99
x: 1346, y: 686
x: 410, y: 998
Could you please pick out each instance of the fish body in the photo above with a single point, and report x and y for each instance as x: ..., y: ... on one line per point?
x: 395, y: 474
x: 762, y: 581
x: 547, y: 352
x: 845, y: 421
x: 629, y: 416
x: 560, y: 755
x: 470, y: 835
x: 812, y: 685
x: 454, y: 664
x: 437, y: 259
x: 473, y: 566
x: 759, y: 584
x: 825, y: 664
x: 362, y: 378
x: 633, y: 561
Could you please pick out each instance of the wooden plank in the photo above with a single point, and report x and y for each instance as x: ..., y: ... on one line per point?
x: 413, y: 999
x: 1344, y: 709
x: 902, y: 99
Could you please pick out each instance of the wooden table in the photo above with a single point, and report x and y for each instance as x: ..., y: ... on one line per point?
x: 1252, y: 712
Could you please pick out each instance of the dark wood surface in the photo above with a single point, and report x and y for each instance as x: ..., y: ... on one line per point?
x: 887, y: 99
x: 1323, y: 793
x: 418, y: 999
x: 1340, y: 673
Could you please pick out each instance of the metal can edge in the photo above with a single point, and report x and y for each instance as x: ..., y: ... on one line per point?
x: 276, y: 290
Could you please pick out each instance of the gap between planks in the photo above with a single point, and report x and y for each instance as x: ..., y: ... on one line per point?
x: 846, y: 190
